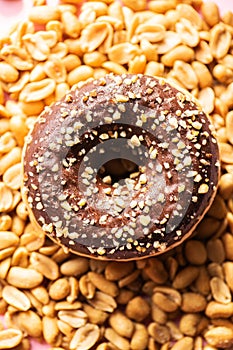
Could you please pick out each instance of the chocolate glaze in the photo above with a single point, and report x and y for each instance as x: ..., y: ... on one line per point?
x: 144, y: 119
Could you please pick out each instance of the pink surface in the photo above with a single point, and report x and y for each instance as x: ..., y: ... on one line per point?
x: 12, y: 11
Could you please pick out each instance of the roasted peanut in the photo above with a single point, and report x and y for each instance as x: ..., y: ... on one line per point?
x: 24, y: 278
x: 78, y: 74
x: 137, y: 309
x: 8, y: 73
x: 210, y: 13
x: 180, y: 52
x: 219, y: 337
x: 121, y: 324
x: 85, y: 337
x: 44, y: 14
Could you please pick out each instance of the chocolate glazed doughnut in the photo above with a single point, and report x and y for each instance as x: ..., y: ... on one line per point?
x: 123, y: 168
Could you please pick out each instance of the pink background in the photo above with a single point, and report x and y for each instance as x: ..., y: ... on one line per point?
x: 14, y: 10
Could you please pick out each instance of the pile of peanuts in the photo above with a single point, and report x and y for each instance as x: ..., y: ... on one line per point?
x: 179, y: 301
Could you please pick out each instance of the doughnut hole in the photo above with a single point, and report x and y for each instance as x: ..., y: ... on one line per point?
x: 118, y: 169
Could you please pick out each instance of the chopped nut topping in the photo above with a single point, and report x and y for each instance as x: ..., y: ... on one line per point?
x: 204, y: 188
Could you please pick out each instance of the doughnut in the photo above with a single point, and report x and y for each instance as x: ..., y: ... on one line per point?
x: 123, y: 167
